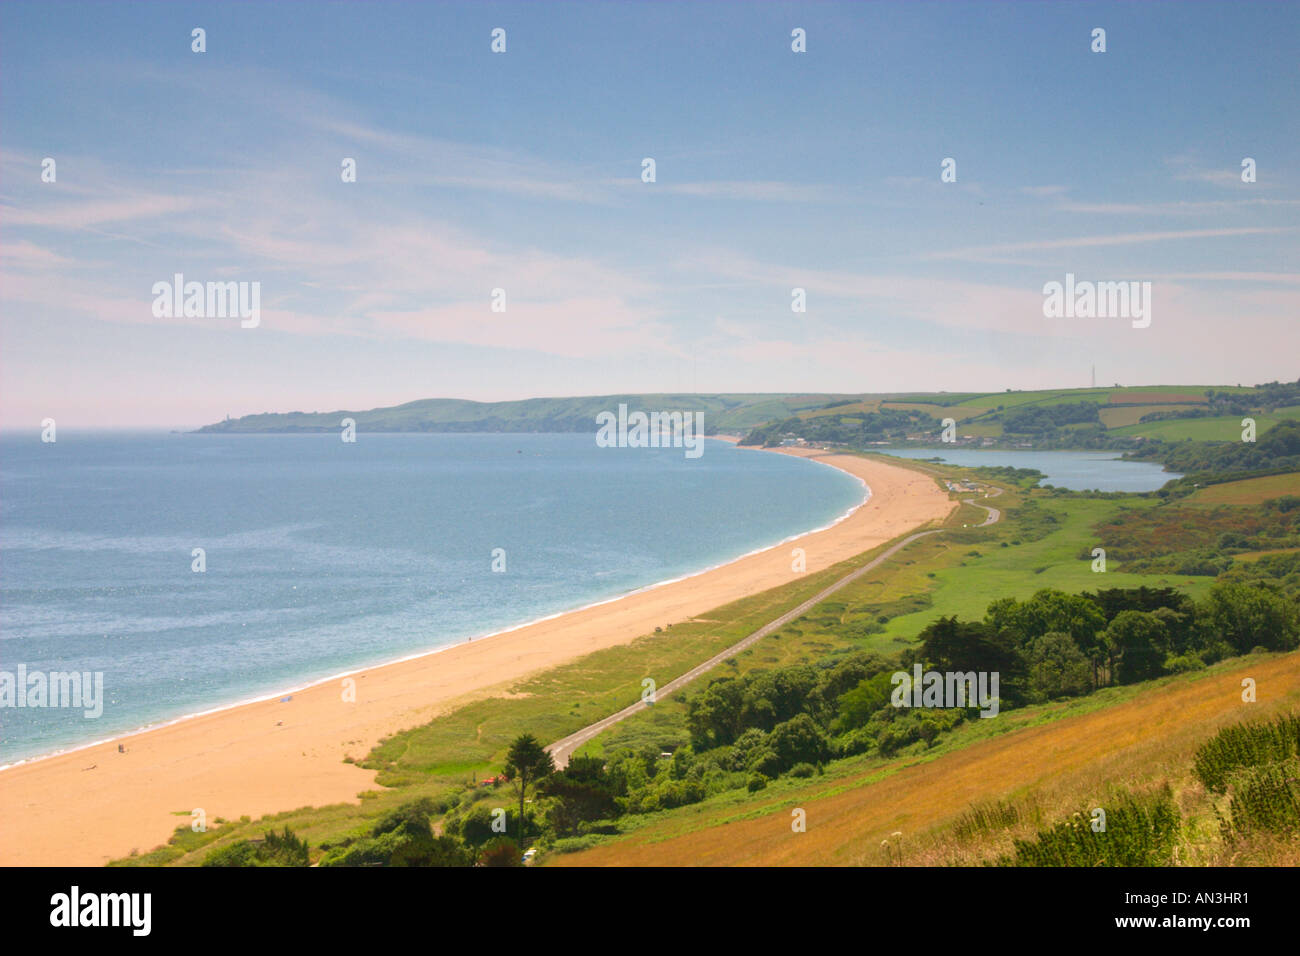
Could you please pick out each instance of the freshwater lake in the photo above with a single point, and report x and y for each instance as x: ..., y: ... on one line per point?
x: 1077, y: 470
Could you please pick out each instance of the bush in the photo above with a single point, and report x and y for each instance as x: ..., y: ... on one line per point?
x: 502, y: 851
x: 1246, y: 745
x: 1184, y: 663
x: 1140, y: 831
x: 401, y: 837
x: 1265, y: 798
x: 275, y: 849
x: 803, y: 770
x: 757, y: 782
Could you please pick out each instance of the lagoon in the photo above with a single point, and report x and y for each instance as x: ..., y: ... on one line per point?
x: 1077, y: 470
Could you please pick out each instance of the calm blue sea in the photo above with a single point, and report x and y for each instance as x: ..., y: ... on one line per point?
x: 324, y: 556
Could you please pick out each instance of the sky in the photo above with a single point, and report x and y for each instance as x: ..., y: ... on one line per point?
x: 522, y: 171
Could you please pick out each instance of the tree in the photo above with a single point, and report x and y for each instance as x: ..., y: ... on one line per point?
x: 1057, y: 668
x: 857, y: 706
x: 1138, y: 638
x: 1248, y: 617
x: 526, y: 763
x: 1050, y: 611
x: 799, y: 740
x: 964, y: 646
x: 583, y: 792
x: 713, y: 717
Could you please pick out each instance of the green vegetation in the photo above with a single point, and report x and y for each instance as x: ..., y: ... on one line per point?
x: 1242, y: 746
x: 1277, y: 449
x: 274, y: 849
x: 1138, y: 831
x: 856, y: 429
x: 527, y: 762
x: 402, y: 837
x: 722, y: 414
x: 746, y: 731
x: 1185, y: 540
x: 1256, y: 765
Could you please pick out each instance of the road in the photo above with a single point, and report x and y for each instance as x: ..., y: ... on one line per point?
x: 563, y: 749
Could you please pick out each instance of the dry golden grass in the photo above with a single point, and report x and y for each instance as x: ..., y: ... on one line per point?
x: 1048, y: 771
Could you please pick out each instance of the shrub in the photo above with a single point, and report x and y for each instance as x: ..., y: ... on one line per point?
x: 502, y: 851
x: 1265, y: 798
x: 275, y: 849
x: 1184, y: 663
x: 1246, y: 745
x: 1140, y: 831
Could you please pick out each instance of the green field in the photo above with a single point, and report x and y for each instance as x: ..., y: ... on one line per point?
x: 1252, y: 491
x: 1224, y: 428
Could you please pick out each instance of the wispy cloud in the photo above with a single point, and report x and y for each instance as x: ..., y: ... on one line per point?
x: 981, y: 253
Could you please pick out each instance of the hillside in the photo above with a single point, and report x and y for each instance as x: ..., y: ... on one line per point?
x: 1117, y: 418
x: 723, y: 414
x: 1086, y: 417
x: 968, y: 804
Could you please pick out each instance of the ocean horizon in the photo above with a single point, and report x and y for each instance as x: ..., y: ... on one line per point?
x: 319, y: 557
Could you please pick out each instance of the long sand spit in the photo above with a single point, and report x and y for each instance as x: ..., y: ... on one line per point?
x: 95, y: 804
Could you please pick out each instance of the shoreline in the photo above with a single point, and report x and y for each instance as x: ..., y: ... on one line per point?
x: 310, y: 683
x: 239, y: 759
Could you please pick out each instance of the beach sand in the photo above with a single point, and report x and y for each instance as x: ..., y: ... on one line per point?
x: 92, y: 805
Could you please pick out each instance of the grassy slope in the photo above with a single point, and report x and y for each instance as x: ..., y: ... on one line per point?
x: 1219, y: 428
x: 1252, y: 491
x: 1124, y: 736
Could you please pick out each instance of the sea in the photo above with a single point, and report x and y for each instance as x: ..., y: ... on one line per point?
x: 197, y: 571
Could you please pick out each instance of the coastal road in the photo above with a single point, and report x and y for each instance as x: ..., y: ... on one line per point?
x: 563, y: 749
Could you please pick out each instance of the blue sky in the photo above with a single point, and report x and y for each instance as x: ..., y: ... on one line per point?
x: 521, y: 171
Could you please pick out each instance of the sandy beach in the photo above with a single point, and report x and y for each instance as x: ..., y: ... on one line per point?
x: 97, y: 804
